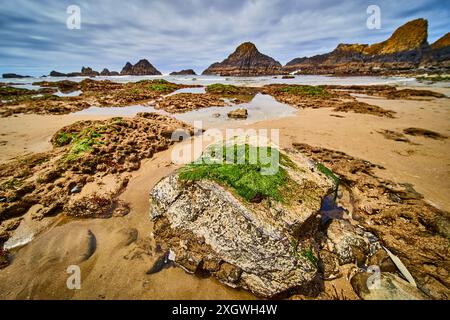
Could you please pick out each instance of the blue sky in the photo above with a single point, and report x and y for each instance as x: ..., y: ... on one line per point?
x: 175, y: 35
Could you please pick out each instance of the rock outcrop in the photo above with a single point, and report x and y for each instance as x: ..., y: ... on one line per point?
x: 263, y: 246
x: 142, y: 68
x: 187, y: 72
x: 405, y: 51
x: 106, y: 72
x: 246, y: 60
x: 13, y: 75
x: 54, y: 73
x: 88, y: 72
x: 85, y: 72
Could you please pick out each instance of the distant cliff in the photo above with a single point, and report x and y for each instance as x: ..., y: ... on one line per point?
x: 406, y: 50
x: 246, y: 60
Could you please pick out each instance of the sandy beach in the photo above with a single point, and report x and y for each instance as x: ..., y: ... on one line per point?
x: 118, y: 271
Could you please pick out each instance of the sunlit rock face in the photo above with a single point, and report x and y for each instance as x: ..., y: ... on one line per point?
x: 246, y: 60
x: 406, y: 50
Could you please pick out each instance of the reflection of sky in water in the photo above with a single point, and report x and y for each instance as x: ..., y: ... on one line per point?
x: 262, y: 107
x: 188, y: 90
x: 128, y: 111
x: 68, y: 94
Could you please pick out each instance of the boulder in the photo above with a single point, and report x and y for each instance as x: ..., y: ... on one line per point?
x: 238, y: 114
x: 346, y: 243
x: 265, y: 247
x: 389, y: 287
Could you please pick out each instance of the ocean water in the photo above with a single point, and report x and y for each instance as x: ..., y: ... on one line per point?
x: 242, y: 81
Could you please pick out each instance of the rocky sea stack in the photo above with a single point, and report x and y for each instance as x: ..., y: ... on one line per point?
x: 246, y: 60
x: 106, y: 72
x: 142, y: 68
x: 406, y: 50
x: 187, y: 72
x: 13, y: 75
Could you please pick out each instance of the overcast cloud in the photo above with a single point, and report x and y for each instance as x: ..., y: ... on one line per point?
x: 175, y: 35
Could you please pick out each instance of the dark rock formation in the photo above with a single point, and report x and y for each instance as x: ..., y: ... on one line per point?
x: 189, y: 72
x: 142, y: 68
x: 405, y: 51
x: 13, y: 75
x: 57, y: 74
x: 246, y: 60
x: 106, y: 72
x: 88, y: 72
x: 85, y: 72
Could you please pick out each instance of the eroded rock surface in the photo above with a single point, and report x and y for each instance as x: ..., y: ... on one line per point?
x: 395, y: 213
x: 210, y: 229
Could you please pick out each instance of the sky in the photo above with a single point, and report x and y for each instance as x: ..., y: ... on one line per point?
x: 175, y: 35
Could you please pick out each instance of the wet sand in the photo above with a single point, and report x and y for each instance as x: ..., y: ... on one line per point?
x: 120, y: 271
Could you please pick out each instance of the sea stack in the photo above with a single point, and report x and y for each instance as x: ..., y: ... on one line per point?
x: 142, y: 68
x: 186, y: 72
x: 246, y: 60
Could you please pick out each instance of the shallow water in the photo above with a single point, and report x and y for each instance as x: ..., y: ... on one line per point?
x: 262, y: 107
x: 196, y: 90
x: 128, y: 111
x: 68, y: 94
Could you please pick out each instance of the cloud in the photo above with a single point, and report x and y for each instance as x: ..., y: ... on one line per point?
x: 181, y: 34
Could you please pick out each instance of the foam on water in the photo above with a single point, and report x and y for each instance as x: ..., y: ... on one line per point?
x: 244, y: 81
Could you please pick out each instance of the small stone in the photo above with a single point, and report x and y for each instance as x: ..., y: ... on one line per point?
x: 75, y: 189
x: 329, y: 265
x: 383, y: 261
x: 238, y: 114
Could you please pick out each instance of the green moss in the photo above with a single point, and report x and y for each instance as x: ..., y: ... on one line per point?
x: 241, y: 174
x: 80, y: 143
x: 63, y: 138
x: 12, y: 183
x: 162, y: 87
x: 330, y: 175
x: 307, y: 253
x: 311, y: 91
x: 219, y: 88
x: 18, y: 95
x: 433, y: 79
